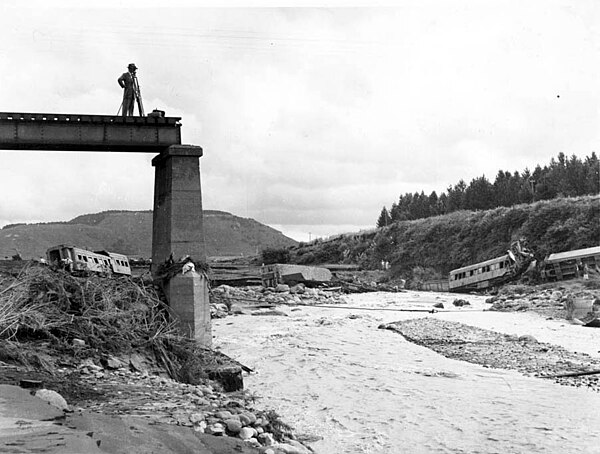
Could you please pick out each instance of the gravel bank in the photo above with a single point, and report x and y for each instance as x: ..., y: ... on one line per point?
x: 495, y: 350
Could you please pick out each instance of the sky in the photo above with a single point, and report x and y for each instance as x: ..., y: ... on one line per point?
x: 311, y: 118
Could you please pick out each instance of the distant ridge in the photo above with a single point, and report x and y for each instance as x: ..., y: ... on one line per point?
x: 130, y: 232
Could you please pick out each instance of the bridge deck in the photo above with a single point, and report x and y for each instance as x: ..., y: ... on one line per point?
x: 45, y: 131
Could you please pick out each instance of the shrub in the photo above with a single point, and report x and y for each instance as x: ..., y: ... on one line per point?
x: 273, y: 255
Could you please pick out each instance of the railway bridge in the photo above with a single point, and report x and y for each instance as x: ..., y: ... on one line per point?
x: 177, y: 228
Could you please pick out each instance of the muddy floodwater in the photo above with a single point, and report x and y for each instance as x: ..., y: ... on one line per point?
x: 352, y: 388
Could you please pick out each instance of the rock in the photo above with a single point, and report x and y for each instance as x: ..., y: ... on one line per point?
x: 196, y: 417
x: 221, y: 307
x: 111, y: 362
x: 137, y: 362
x: 266, y: 439
x: 251, y: 416
x: 556, y: 295
x: 460, y: 302
x: 247, y: 433
x: 527, y: 338
x: 200, y: 427
x: 299, y: 446
x: 53, y: 398
x: 288, y: 448
x: 439, y: 305
x: 216, y: 429
x: 282, y: 288
x: 233, y: 425
x: 78, y: 342
x: 298, y: 288
x: 223, y: 414
x: 271, y: 312
x: 268, y: 451
x: 90, y: 365
x: 230, y: 377
x: 253, y: 442
x: 182, y: 418
x: 245, y: 420
x: 236, y: 309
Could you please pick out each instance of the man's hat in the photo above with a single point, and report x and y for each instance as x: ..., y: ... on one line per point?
x: 132, y: 65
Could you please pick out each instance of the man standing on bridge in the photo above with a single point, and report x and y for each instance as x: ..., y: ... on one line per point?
x: 126, y: 82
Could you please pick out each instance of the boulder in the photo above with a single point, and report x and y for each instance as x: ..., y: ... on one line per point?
x: 112, y: 362
x: 216, y: 429
x: 223, y: 414
x: 246, y: 433
x: 53, y: 398
x: 233, y: 425
x: 266, y: 439
x: 281, y: 288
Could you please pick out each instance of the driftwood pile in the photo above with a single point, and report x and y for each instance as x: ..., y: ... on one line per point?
x: 95, y: 316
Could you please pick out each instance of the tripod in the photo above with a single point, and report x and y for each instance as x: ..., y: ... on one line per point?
x: 138, y: 97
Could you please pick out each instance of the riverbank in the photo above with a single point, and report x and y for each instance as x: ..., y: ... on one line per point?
x: 107, y: 348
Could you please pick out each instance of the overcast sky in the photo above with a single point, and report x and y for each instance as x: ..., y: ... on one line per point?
x: 311, y: 119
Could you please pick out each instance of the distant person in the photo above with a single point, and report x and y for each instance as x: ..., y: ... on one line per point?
x: 126, y: 83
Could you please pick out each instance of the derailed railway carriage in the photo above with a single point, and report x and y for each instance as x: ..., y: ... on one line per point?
x: 76, y: 259
x: 490, y: 273
x: 481, y: 275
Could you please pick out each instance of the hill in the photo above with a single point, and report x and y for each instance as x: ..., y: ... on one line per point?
x: 130, y: 232
x: 438, y: 244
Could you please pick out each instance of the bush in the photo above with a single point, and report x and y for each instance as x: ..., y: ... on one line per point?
x: 272, y: 255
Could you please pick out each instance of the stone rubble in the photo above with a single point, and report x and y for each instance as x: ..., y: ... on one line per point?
x: 203, y: 408
x: 227, y: 300
x: 549, y: 302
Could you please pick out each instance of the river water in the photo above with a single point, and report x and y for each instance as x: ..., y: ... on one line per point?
x: 352, y: 388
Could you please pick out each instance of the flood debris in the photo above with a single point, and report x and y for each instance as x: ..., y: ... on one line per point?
x: 109, y: 345
x: 272, y: 275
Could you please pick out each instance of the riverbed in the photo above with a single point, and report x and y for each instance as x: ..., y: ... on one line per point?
x: 348, y: 387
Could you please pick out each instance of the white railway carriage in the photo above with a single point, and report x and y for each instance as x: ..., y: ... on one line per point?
x: 480, y: 276
x: 76, y: 259
x: 572, y: 264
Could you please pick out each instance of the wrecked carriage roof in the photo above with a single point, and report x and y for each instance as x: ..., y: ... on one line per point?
x: 578, y: 253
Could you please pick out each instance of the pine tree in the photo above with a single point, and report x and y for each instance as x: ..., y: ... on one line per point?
x: 384, y: 218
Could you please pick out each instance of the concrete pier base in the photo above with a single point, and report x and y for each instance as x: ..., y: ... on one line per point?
x: 177, y: 231
x: 188, y: 298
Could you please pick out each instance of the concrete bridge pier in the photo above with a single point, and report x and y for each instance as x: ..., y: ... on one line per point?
x: 178, y: 231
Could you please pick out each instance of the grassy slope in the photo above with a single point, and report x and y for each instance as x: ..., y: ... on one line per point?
x: 130, y: 232
x: 458, y: 239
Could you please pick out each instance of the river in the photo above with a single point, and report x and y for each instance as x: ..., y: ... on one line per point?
x: 352, y: 388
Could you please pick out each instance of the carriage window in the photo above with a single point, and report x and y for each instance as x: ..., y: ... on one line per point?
x: 84, y: 258
x: 79, y: 257
x: 96, y: 260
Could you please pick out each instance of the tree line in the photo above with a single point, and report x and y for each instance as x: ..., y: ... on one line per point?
x: 563, y: 177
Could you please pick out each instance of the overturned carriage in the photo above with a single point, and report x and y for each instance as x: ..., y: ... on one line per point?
x: 75, y: 259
